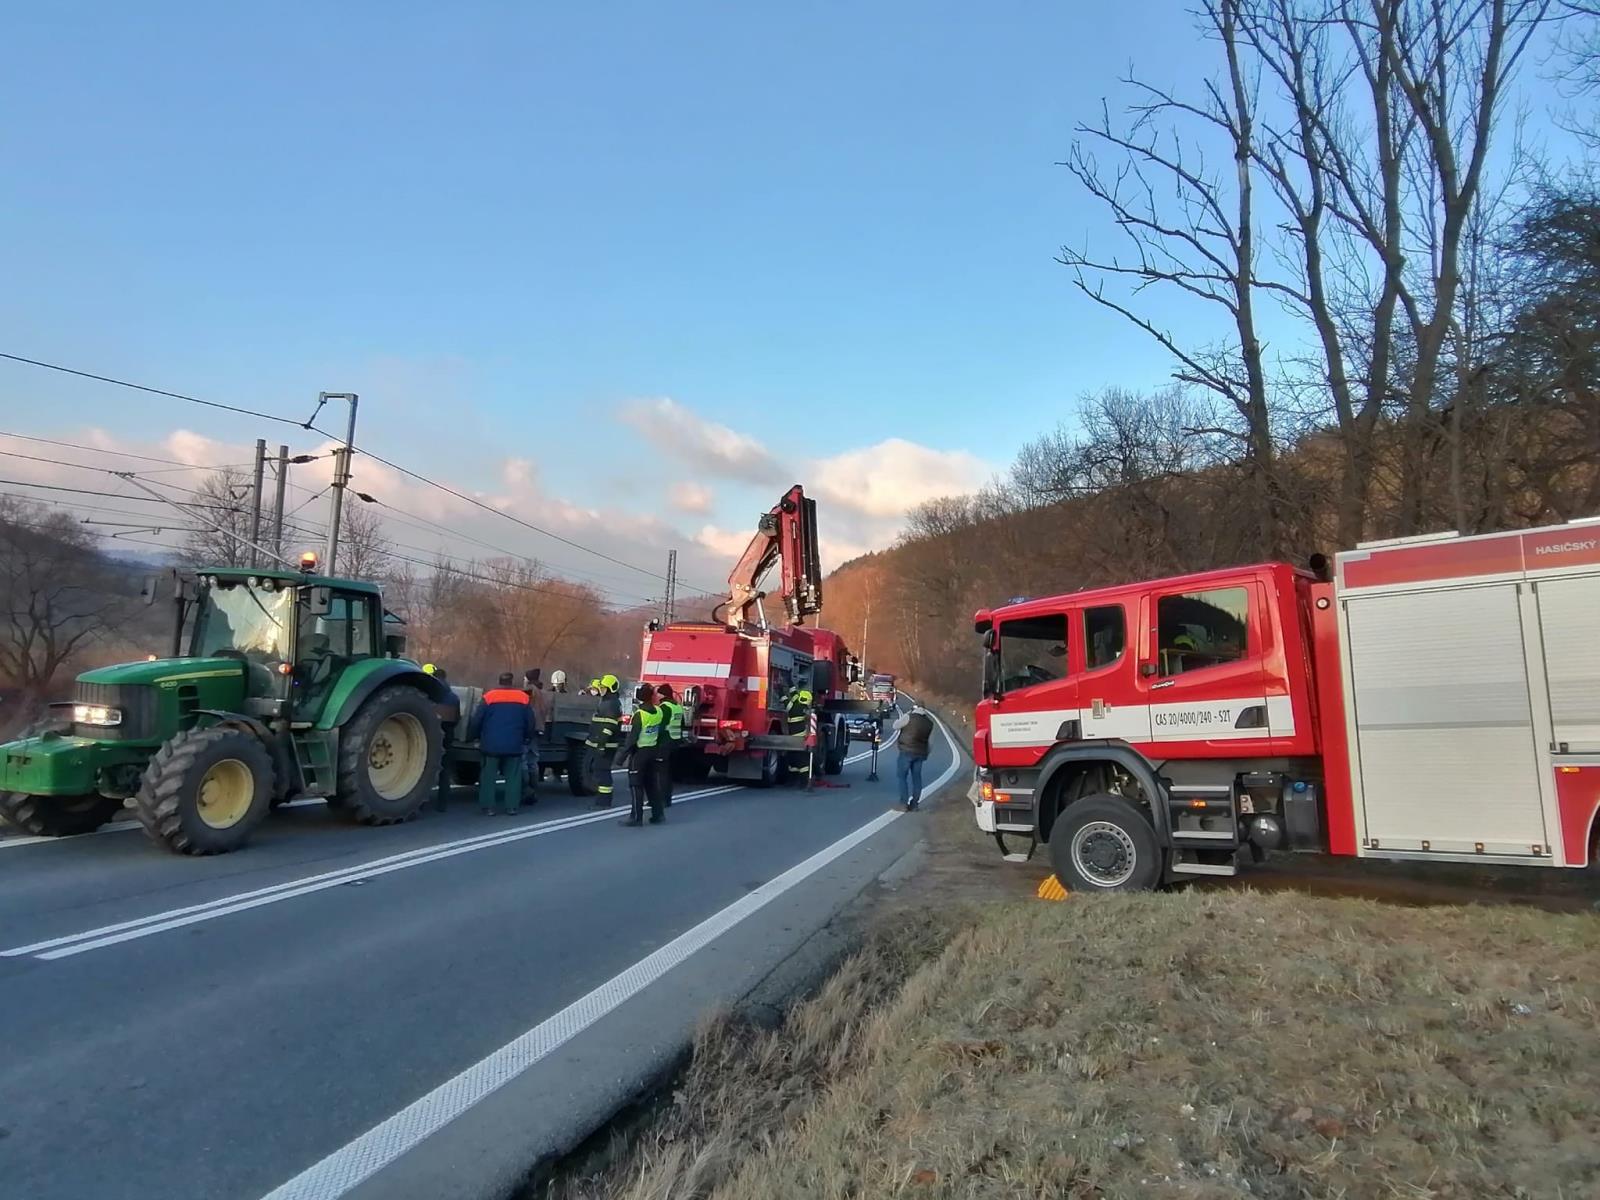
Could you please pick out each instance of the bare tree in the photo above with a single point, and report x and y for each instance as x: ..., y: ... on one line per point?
x: 57, y: 596
x: 1190, y: 231
x: 222, y: 499
x: 365, y: 551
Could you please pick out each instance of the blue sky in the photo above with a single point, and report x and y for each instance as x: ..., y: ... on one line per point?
x: 512, y: 226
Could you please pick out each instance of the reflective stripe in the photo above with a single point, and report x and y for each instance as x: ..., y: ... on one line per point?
x: 675, y: 714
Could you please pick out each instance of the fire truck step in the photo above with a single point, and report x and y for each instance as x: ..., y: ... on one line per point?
x: 1194, y: 868
x: 1180, y: 836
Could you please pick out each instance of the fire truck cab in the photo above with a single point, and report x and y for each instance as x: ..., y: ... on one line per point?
x: 1435, y: 698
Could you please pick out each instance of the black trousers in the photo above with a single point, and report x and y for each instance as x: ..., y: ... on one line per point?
x: 644, y: 782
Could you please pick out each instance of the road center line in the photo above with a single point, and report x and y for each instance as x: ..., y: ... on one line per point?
x: 125, y: 931
x: 69, y: 945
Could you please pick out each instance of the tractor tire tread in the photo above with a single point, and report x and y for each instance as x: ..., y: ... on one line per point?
x: 158, y: 802
x: 353, y: 739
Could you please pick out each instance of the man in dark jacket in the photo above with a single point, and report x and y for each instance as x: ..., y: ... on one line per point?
x: 449, y: 717
x: 503, y: 726
x: 916, y: 737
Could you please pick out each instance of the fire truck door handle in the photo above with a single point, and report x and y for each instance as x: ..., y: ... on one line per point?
x: 1098, y: 708
x: 1162, y: 684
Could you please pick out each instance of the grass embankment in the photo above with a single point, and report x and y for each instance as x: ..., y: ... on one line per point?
x: 1201, y: 1044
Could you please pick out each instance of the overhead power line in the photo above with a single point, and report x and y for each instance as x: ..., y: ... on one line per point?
x: 308, y: 425
x: 155, y: 391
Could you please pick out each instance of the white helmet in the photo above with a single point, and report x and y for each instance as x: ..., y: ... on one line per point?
x: 558, y: 678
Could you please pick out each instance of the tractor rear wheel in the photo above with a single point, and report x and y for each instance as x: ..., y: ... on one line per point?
x: 58, y: 816
x: 389, y: 756
x: 205, y: 791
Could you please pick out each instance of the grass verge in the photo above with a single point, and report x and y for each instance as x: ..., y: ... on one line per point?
x: 1199, y: 1044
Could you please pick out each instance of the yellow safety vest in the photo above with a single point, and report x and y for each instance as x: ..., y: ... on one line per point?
x: 649, y: 724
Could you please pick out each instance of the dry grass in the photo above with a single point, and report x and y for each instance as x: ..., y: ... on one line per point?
x: 1202, y: 1044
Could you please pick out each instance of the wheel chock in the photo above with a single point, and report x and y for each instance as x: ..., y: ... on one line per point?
x: 1051, y: 889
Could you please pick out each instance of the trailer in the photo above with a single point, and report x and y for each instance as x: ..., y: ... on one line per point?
x: 561, y: 743
x: 733, y: 672
x: 1428, y: 699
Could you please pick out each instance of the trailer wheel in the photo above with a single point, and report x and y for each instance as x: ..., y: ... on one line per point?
x: 58, y: 816
x: 834, y: 755
x: 578, y: 781
x: 1104, y: 844
x: 389, y: 756
x: 205, y: 791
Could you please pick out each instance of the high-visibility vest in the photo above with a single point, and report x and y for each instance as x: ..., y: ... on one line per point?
x: 797, y: 715
x: 649, y: 726
x: 675, y: 715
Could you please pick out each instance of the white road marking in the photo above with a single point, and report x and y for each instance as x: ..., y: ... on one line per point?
x: 7, y: 843
x: 345, y: 1168
x: 125, y: 931
x: 357, y: 1161
x: 70, y: 945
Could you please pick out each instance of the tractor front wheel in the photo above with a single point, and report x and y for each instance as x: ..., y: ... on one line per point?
x: 58, y: 816
x: 205, y: 791
x: 389, y: 757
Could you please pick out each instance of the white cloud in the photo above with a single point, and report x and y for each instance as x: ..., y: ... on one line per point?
x: 725, y: 543
x: 705, y: 445
x: 891, y: 478
x: 690, y: 497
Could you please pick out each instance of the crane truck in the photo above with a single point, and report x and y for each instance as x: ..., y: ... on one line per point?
x: 1427, y: 699
x: 734, y: 670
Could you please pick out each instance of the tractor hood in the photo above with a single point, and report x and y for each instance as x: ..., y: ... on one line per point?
x: 165, y: 670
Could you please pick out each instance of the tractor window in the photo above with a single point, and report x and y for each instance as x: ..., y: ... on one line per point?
x: 1105, y: 635
x: 237, y: 619
x: 1033, y: 650
x: 1203, y: 629
x: 344, y: 631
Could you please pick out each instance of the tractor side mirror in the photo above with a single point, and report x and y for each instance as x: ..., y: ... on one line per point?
x: 320, y: 603
x: 148, y: 588
x: 394, y: 645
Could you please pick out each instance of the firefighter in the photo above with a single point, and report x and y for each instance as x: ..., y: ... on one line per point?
x: 605, y: 735
x: 642, y: 755
x: 797, y: 722
x: 673, y: 739
x: 558, y: 682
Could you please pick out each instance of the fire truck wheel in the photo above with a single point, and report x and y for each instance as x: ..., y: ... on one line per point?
x: 1104, y: 844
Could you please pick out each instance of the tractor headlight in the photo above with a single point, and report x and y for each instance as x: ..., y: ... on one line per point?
x: 96, y: 714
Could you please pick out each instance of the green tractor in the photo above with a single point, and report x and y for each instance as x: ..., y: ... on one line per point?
x: 291, y: 686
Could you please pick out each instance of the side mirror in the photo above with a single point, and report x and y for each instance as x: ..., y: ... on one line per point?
x: 1147, y: 669
x: 148, y: 588
x: 988, y: 639
x: 394, y: 645
x: 320, y: 603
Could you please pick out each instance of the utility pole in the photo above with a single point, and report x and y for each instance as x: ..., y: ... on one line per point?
x: 669, y: 602
x: 341, y: 478
x: 255, y: 500
x: 277, y: 503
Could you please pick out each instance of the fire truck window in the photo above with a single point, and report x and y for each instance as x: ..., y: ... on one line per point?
x: 1202, y: 629
x: 1032, y: 650
x: 1104, y: 635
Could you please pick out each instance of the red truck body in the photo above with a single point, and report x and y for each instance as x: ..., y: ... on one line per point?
x: 1437, y: 698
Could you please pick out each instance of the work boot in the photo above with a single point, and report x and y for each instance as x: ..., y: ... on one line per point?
x: 630, y: 821
x: 657, y: 818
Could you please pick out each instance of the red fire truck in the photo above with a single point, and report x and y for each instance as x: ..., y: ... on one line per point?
x: 1428, y: 699
x: 735, y: 670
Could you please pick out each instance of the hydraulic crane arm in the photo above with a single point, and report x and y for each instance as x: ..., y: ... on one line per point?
x: 786, y: 535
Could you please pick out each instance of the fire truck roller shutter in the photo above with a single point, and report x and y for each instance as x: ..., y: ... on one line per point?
x: 1444, y: 750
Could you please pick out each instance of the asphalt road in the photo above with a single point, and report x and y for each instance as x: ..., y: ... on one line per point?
x: 415, y: 1011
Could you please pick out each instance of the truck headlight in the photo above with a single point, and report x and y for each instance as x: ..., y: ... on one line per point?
x: 96, y: 714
